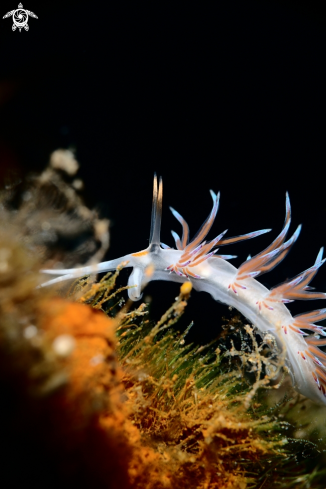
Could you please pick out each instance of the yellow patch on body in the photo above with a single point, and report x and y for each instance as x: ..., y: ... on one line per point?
x: 140, y: 253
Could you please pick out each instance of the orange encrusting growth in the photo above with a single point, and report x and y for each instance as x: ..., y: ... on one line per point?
x: 91, y: 414
x: 94, y: 339
x: 68, y: 380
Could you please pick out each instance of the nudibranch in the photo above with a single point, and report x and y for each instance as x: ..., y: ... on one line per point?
x: 197, y: 261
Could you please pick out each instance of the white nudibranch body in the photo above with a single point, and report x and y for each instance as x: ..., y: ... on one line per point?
x: 196, y: 261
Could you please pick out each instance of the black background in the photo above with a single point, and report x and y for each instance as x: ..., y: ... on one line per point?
x: 228, y: 96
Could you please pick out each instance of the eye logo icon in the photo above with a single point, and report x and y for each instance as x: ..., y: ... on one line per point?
x: 20, y: 18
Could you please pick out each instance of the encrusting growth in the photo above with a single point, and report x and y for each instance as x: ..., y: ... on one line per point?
x: 196, y: 261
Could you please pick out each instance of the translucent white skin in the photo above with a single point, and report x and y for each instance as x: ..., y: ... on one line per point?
x: 195, y: 261
x: 216, y: 276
